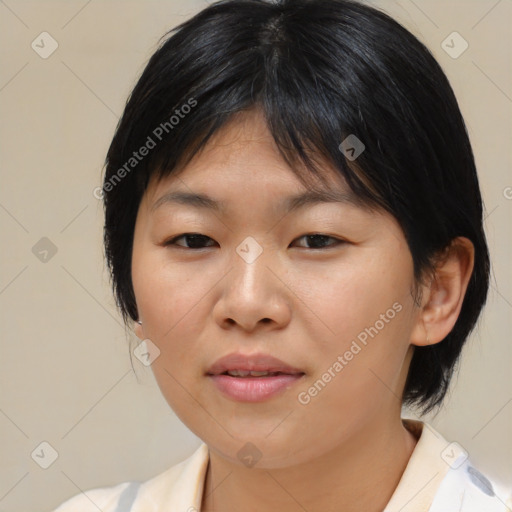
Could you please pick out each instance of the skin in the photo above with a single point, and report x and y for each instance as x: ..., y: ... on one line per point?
x: 347, y: 448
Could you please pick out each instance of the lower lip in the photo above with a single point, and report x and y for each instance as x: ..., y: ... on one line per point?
x: 254, y: 389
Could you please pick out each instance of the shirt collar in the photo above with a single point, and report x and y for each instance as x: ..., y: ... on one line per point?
x: 181, y: 487
x: 424, y: 471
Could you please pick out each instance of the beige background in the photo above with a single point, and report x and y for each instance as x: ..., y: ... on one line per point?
x: 65, y: 375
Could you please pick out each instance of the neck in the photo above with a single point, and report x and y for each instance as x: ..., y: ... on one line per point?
x: 362, y: 474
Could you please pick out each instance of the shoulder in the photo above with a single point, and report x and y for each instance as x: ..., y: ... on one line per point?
x: 106, y: 499
x: 180, y: 482
x: 466, y: 489
x: 453, y: 482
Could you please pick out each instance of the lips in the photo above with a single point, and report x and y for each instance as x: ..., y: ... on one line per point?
x: 253, y: 378
x: 254, y: 365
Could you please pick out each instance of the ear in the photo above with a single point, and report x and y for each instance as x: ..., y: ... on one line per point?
x: 138, y: 330
x: 443, y: 296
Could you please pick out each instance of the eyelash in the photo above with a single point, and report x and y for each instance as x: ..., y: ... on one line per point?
x: 198, y: 235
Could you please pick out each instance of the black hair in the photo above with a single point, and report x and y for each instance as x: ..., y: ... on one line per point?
x: 319, y: 71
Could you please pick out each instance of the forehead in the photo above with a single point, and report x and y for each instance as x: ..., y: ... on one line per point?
x: 242, y: 159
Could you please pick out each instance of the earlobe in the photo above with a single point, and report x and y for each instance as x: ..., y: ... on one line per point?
x: 137, y: 329
x: 445, y: 294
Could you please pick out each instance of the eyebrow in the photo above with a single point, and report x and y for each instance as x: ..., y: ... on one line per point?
x: 288, y: 205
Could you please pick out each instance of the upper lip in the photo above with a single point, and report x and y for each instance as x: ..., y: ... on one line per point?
x: 253, y: 362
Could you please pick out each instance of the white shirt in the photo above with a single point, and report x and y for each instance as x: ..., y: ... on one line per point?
x: 438, y: 478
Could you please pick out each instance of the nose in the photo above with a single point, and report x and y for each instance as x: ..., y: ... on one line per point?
x: 254, y: 293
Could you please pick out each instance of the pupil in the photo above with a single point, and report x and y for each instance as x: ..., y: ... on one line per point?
x: 196, y: 241
x: 321, y: 238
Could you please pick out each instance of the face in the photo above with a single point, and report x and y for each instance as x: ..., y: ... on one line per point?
x: 325, y: 287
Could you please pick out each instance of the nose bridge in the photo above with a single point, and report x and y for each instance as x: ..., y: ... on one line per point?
x: 250, y: 262
x: 252, y: 293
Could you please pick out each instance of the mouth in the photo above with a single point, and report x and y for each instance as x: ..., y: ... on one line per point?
x: 252, y: 378
x: 254, y: 365
x: 247, y: 373
x: 252, y: 388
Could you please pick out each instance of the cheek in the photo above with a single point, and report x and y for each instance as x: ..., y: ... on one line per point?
x: 168, y: 296
x: 351, y: 296
x: 174, y: 308
x: 177, y: 380
x: 365, y: 314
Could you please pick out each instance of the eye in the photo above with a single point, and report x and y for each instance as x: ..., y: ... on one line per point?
x: 197, y: 241
x: 319, y: 240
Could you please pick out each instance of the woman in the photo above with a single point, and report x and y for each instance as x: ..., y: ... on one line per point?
x: 293, y: 225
